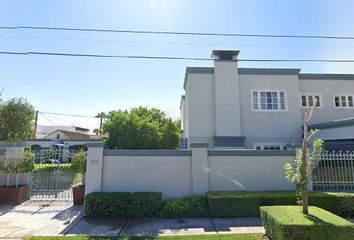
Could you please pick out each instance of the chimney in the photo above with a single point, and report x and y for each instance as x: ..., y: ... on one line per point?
x: 227, y: 100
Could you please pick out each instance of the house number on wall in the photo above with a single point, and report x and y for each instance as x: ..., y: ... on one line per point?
x: 94, y: 161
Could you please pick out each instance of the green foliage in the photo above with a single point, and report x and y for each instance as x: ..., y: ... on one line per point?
x: 50, y: 167
x: 293, y: 171
x: 188, y: 207
x: 122, y: 205
x: 78, y: 163
x: 21, y: 162
x: 16, y: 120
x: 141, y: 128
x: 246, y: 204
x: 288, y: 223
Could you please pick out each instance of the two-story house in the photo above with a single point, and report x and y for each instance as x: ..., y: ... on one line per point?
x: 262, y: 108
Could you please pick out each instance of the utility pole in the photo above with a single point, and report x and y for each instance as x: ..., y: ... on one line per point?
x: 35, y: 125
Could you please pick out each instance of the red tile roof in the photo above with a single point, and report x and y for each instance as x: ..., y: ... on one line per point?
x: 75, y: 135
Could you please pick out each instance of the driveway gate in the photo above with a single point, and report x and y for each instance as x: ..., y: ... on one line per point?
x: 334, y: 171
x: 51, y: 178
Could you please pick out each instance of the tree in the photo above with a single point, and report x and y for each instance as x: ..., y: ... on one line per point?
x: 300, y: 171
x: 100, y: 115
x: 16, y: 120
x: 141, y: 128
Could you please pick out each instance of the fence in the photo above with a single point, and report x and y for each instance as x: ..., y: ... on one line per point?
x: 178, y: 173
x: 334, y: 171
x: 50, y: 177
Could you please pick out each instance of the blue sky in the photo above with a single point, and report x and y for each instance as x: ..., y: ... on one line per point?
x: 87, y: 86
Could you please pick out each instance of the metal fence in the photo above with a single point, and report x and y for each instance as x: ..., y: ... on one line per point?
x: 334, y: 171
x: 51, y: 178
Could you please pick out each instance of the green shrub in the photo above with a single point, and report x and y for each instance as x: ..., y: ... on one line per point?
x: 78, y: 164
x: 51, y: 167
x: 122, y: 205
x: 188, y: 207
x: 246, y: 204
x: 288, y: 223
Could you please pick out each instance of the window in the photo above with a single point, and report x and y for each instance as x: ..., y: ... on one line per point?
x: 269, y: 100
x: 269, y: 146
x: 58, y: 136
x: 343, y: 101
x: 308, y: 99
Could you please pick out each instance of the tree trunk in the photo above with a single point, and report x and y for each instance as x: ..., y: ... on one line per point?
x: 303, y: 183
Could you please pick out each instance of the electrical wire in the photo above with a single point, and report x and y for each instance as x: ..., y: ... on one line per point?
x: 170, y: 57
x: 178, y: 33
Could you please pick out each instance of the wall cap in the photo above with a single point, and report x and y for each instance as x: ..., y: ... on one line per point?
x: 147, y: 152
x: 199, y: 145
x: 6, y: 145
x: 251, y: 152
x: 95, y: 145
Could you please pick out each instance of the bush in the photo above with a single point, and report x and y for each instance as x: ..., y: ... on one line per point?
x: 288, y: 223
x: 188, y: 207
x: 122, y: 205
x: 78, y: 164
x: 51, y: 167
x: 246, y: 204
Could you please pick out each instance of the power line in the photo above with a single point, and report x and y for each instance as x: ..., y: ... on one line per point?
x: 177, y: 32
x: 170, y: 57
x: 64, y: 114
x: 180, y: 43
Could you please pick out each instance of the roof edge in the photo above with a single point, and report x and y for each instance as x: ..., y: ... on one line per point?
x: 196, y: 70
x: 333, y: 124
x: 325, y: 76
x: 269, y: 71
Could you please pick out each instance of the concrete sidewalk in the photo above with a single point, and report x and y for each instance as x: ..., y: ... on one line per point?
x: 38, y: 217
x: 60, y: 217
x: 166, y: 227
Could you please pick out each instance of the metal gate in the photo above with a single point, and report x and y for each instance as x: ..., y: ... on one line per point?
x: 334, y: 171
x: 51, y: 178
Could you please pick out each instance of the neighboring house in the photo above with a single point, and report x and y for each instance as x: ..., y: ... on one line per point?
x: 64, y: 142
x: 64, y: 134
x: 261, y: 108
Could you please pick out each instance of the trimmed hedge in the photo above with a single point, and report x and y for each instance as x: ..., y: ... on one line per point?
x: 246, y: 204
x: 188, y: 207
x: 288, y: 223
x: 122, y: 205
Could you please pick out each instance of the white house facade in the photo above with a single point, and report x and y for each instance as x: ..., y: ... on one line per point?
x: 261, y: 108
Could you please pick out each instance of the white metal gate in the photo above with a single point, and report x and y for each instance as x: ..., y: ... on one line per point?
x: 334, y: 171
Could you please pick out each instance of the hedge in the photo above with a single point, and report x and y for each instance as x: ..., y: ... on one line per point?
x: 246, y: 204
x: 122, y: 205
x: 288, y: 223
x: 188, y: 207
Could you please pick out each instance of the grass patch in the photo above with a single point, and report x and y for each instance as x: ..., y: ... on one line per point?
x: 195, y: 237
x: 246, y: 204
x: 288, y: 223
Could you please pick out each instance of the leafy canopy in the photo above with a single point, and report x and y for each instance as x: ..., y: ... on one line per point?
x: 141, y: 128
x: 16, y: 120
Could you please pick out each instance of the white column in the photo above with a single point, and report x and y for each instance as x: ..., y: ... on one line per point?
x: 94, y: 167
x: 200, y: 169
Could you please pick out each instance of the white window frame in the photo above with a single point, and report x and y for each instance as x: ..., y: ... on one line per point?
x: 340, y: 95
x: 278, y: 100
x: 281, y: 145
x: 307, y: 99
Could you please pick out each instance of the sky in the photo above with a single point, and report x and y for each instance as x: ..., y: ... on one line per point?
x: 86, y: 86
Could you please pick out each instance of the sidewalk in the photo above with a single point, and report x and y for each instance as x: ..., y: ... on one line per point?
x: 166, y: 227
x: 60, y: 217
